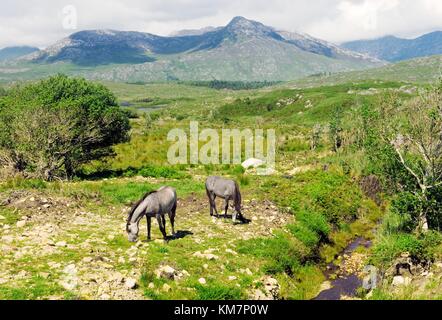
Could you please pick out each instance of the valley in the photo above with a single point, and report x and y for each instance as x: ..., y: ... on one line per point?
x: 67, y: 240
x: 339, y: 163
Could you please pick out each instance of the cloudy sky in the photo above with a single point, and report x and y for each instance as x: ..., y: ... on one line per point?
x: 41, y: 22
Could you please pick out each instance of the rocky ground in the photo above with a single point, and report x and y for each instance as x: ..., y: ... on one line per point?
x: 56, y: 248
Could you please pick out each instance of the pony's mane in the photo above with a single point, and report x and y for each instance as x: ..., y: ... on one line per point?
x: 135, y: 206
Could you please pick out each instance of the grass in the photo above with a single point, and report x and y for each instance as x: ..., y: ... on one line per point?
x: 32, y: 289
x: 328, y: 207
x: 10, y: 216
x: 216, y: 291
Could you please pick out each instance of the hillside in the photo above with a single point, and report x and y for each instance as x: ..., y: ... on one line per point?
x: 420, y: 70
x: 16, y: 52
x: 312, y: 226
x: 243, y: 50
x: 395, y: 49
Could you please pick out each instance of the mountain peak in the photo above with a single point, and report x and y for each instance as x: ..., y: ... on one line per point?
x: 245, y: 27
x: 242, y: 23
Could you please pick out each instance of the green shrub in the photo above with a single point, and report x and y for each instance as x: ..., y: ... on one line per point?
x: 50, y: 128
x: 390, y: 247
x: 335, y: 197
x: 304, y: 234
x: 315, y: 222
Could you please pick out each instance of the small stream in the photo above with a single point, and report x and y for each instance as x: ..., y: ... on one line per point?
x: 344, y: 284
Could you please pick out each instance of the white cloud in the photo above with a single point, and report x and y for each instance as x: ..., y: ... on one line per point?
x: 40, y: 22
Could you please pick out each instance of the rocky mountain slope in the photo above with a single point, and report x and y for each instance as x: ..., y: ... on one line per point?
x: 16, y: 52
x: 242, y: 50
x: 394, y: 49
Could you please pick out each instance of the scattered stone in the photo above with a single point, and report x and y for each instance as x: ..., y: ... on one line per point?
x: 202, y: 281
x: 166, y: 288
x: 70, y: 280
x: 270, y: 291
x: 325, y: 286
x: 252, y: 163
x: 259, y: 295
x: 87, y: 259
x: 401, y: 281
x: 231, y: 252
x: 232, y: 278
x: 208, y: 256
x: 61, y: 244
x: 131, y: 283
x: 2, y: 217
x: 105, y: 296
x: 8, y: 239
x: 166, y: 272
x: 151, y: 285
x: 22, y: 274
x: 246, y: 271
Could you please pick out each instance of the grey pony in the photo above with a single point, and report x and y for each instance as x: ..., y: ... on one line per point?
x: 155, y: 204
x: 227, y: 190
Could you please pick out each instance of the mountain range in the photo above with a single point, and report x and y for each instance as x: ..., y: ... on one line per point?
x: 242, y: 50
x: 395, y: 49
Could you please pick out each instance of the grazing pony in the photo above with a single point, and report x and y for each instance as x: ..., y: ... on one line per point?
x: 227, y: 190
x: 155, y: 204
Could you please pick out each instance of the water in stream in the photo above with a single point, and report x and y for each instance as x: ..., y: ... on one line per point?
x: 344, y: 284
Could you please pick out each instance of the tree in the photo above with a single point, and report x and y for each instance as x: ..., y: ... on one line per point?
x: 50, y: 128
x: 414, y: 130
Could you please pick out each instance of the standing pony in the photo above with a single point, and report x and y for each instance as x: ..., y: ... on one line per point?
x: 227, y: 190
x: 154, y: 204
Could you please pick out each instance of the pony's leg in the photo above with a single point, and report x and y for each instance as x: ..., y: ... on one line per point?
x: 211, y: 207
x: 162, y: 228
x: 226, y: 201
x: 214, y: 206
x: 164, y: 222
x: 238, y: 212
x: 149, y: 227
x: 172, y: 215
x: 212, y: 202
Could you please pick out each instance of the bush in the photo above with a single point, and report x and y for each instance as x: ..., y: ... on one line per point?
x: 315, y: 222
x: 422, y: 248
x: 405, y: 208
x: 304, y: 234
x: 49, y: 128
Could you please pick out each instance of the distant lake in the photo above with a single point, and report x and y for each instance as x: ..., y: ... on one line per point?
x: 142, y: 109
x: 150, y: 108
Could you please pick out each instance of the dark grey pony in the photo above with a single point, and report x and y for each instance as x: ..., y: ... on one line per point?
x: 154, y: 204
x: 227, y: 190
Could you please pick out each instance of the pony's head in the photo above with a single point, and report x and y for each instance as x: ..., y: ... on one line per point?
x: 132, y: 227
x: 132, y: 230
